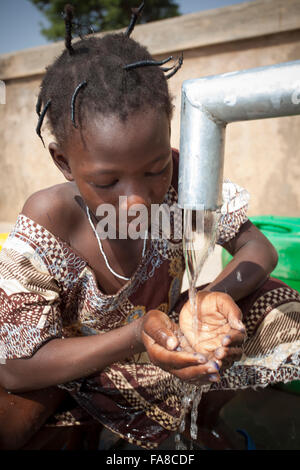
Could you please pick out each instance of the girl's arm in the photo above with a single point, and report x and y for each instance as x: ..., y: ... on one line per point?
x: 63, y: 360
x: 254, y: 258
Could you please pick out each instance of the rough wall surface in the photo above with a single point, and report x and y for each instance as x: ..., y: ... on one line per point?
x: 263, y: 156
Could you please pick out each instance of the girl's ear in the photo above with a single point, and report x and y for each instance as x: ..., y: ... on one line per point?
x: 60, y: 160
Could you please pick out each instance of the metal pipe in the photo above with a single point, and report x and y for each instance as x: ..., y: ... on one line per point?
x: 208, y: 105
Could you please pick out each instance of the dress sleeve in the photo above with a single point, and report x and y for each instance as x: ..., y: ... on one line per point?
x: 233, y: 211
x: 29, y: 301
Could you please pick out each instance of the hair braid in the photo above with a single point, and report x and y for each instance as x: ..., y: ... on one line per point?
x: 93, y: 78
x: 69, y: 15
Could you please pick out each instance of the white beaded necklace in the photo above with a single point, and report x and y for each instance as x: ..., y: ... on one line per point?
x: 103, y: 254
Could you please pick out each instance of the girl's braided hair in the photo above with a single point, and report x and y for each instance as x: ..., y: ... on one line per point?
x: 111, y: 75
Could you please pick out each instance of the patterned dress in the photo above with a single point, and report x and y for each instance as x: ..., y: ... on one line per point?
x: 48, y: 291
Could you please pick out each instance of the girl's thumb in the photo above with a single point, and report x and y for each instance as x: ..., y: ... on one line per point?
x: 172, y: 343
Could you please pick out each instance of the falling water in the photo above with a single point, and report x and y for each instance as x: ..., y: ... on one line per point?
x: 200, y: 231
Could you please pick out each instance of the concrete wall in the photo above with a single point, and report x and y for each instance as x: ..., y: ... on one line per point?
x: 263, y: 156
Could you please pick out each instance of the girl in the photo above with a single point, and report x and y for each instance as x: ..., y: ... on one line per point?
x: 91, y: 327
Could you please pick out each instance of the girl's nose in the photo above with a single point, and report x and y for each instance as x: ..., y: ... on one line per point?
x: 135, y: 198
x: 138, y: 199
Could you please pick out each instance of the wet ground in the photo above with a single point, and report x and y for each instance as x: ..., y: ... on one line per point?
x: 270, y: 416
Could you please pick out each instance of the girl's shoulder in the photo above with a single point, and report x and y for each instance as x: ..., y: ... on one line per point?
x: 54, y: 208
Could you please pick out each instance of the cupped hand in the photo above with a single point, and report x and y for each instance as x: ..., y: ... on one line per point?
x: 217, y: 331
x: 160, y: 336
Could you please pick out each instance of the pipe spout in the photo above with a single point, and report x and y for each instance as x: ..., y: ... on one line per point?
x: 208, y: 104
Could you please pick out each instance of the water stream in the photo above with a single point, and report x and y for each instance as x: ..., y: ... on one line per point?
x: 200, y: 232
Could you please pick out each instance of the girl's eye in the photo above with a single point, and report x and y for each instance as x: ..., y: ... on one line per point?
x: 105, y: 186
x: 159, y: 172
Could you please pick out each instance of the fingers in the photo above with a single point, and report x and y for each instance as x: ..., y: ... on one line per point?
x: 225, y: 305
x: 184, y: 345
x: 228, y: 356
x: 197, y: 375
x: 161, y: 329
x: 233, y: 338
x: 169, y: 359
x: 228, y: 307
x: 187, y: 355
x: 207, y: 343
x: 223, y: 352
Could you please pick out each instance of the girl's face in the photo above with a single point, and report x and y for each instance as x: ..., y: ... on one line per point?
x: 115, y: 158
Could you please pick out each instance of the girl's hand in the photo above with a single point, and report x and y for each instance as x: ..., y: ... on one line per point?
x: 218, y: 326
x: 160, y: 337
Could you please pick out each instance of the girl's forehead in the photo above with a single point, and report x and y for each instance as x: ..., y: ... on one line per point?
x: 106, y: 137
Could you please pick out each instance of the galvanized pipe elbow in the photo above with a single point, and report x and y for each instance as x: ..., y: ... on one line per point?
x: 208, y: 105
